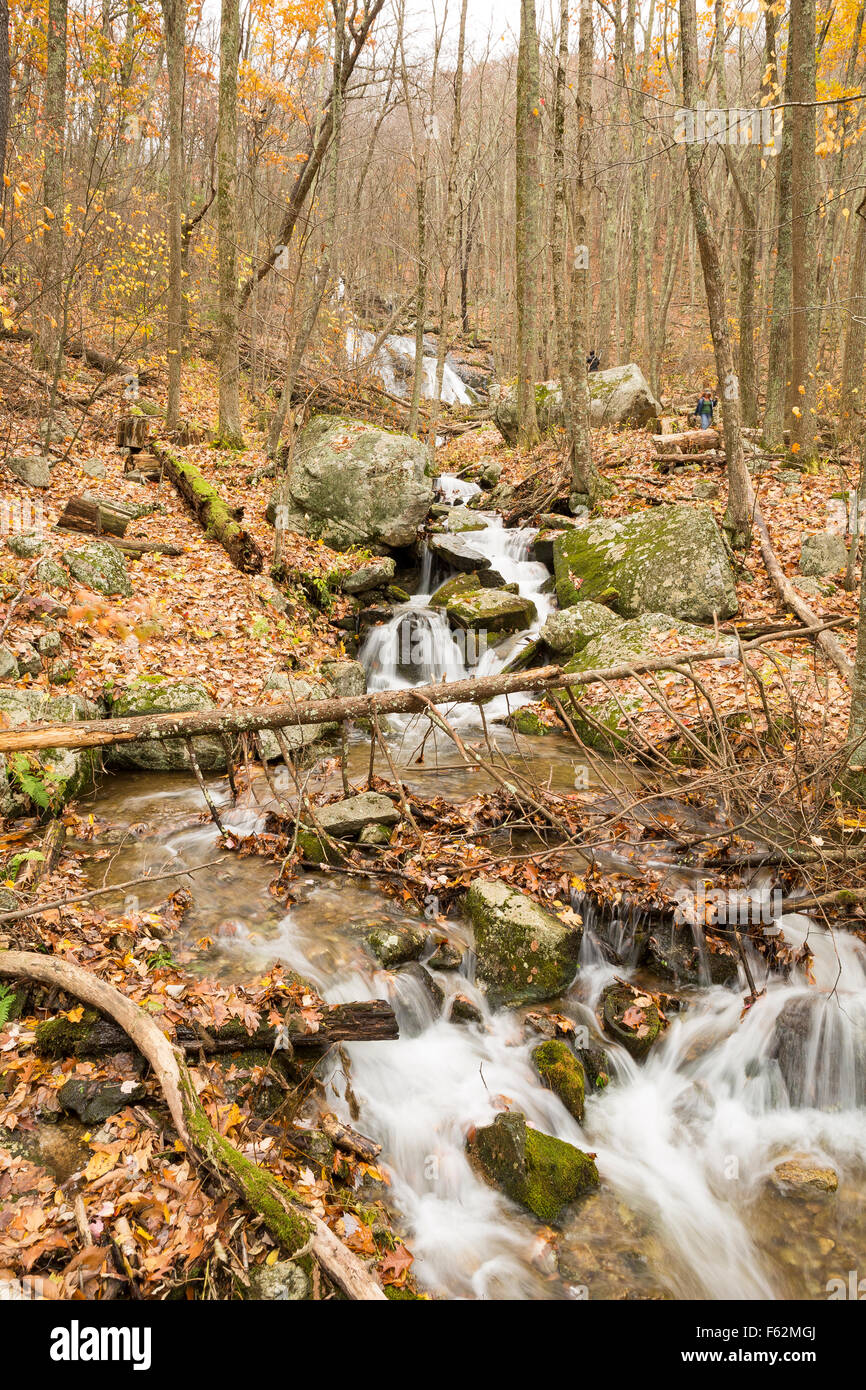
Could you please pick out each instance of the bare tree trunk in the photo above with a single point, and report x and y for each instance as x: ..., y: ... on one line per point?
x: 174, y: 22
x: 780, y: 317
x: 4, y: 92
x: 50, y: 339
x: 526, y: 237
x: 451, y: 210
x: 855, y: 777
x: 804, y: 227
x: 584, y: 477
x: 229, y: 431
x: 853, y: 403
x: 738, y: 518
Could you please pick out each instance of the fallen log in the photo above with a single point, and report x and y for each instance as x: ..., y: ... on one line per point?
x: 705, y: 439
x: 680, y: 460
x: 214, y: 514
x: 371, y: 1020
x: 94, y: 518
x: 102, y: 733
x: 295, y: 1229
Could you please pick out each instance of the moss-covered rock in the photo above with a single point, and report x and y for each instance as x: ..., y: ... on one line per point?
x: 669, y: 558
x: 525, y: 721
x: 355, y: 484
x: 541, y: 1173
x: 52, y: 575
x: 570, y: 630
x: 95, y: 1101
x: 490, y: 610
x: 455, y: 587
x: 99, y: 566
x: 605, y: 721
x: 561, y: 1073
x: 617, y: 395
x: 158, y: 694
x: 524, y: 953
x: 631, y: 1018
x: 26, y: 544
x: 394, y: 946
x: 459, y: 519
x: 54, y: 776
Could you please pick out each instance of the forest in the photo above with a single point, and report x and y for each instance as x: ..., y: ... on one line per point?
x: 432, y: 655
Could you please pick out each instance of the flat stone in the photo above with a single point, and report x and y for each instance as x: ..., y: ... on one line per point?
x: 458, y: 554
x: 345, y: 819
x: 376, y: 575
x: 392, y: 945
x: 822, y: 554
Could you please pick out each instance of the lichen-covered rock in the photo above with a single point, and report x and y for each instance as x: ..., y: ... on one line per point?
x: 375, y: 835
x: 394, y: 946
x: 26, y: 544
x: 572, y: 628
x: 345, y: 677
x: 162, y: 695
x: 54, y: 776
x: 562, y: 1073
x: 670, y: 559
x: 282, y: 1282
x: 527, y: 722
x: 524, y: 953
x: 347, y: 818
x: 51, y: 574
x: 295, y: 736
x: 630, y: 1017
x: 490, y: 610
x: 822, y: 554
x: 100, y: 566
x: 373, y: 576
x: 31, y: 469
x: 355, y: 484
x: 459, y: 519
x: 617, y: 396
x: 8, y: 665
x: 602, y: 720
x: 541, y: 1173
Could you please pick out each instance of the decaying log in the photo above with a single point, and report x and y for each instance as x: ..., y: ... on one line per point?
x: 214, y: 514
x: 102, y: 733
x: 295, y: 1229
x: 349, y: 1139
x: 705, y: 439
x: 370, y: 1020
x: 95, y: 518
x: 132, y: 431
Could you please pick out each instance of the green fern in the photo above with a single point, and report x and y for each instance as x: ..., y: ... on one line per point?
x: 7, y: 999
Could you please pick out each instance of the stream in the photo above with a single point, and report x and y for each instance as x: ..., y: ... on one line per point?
x: 686, y: 1141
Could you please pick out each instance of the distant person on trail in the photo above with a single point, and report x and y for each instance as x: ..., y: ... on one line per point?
x: 593, y: 361
x: 704, y: 409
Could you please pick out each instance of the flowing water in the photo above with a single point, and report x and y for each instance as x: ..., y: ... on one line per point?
x: 686, y: 1141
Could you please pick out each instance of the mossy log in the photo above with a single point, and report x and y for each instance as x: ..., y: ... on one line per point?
x: 218, y: 519
x: 95, y: 1036
x: 294, y: 1229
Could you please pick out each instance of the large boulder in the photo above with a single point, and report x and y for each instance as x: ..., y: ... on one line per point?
x: 355, y: 484
x: 541, y: 1173
x: 524, y: 953
x: 346, y: 819
x: 822, y: 554
x: 617, y: 396
x: 602, y: 720
x: 295, y: 736
x: 164, y: 695
x: 459, y: 554
x: 100, y: 566
x: 571, y: 629
x: 490, y: 610
x: 670, y: 559
x: 31, y: 469
x: 54, y: 776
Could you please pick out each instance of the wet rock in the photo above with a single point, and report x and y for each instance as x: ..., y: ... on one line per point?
x: 525, y: 954
x: 376, y: 575
x: 673, y: 953
x: 541, y: 1173
x: 541, y: 549
x: 459, y: 519
x: 617, y: 395
x: 95, y: 1101
x: 459, y: 554
x: 455, y: 587
x: 346, y: 819
x: 464, y: 1011
x: 355, y: 484
x: 526, y: 722
x: 561, y: 1073
x: 26, y: 545
x: 799, y: 1176
x: 822, y: 554
x: 631, y: 1018
x: 161, y: 695
x: 375, y: 835
x: 433, y: 992
x: 446, y: 956
x: 99, y: 566
x: 596, y: 1066
x: 670, y: 559
x: 394, y: 946
x: 283, y: 1282
x: 491, y: 610
x: 31, y: 469
x: 571, y: 629
x: 820, y: 1052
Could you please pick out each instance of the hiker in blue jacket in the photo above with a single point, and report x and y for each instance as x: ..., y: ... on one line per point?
x: 704, y: 409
